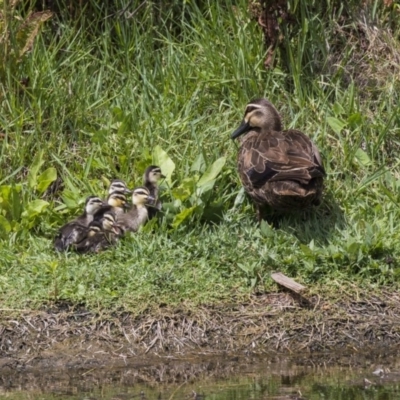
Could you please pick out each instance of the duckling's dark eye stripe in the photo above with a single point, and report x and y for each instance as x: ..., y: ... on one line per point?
x: 157, y: 170
x: 142, y: 192
x: 95, y: 200
x: 252, y: 107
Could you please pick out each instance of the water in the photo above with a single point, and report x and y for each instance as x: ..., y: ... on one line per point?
x: 216, y: 378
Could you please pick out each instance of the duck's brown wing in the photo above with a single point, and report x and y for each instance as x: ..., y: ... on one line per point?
x: 277, y: 156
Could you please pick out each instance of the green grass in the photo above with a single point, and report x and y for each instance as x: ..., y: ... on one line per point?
x: 106, y: 100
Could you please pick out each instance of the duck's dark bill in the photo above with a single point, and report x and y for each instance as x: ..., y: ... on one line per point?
x: 244, y: 127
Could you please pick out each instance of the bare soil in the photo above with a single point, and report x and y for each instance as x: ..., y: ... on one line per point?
x: 64, y: 336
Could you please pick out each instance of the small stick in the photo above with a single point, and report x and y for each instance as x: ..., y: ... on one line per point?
x: 287, y: 282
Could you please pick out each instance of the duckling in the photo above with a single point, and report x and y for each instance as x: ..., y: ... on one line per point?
x: 118, y: 185
x: 72, y: 231
x: 101, y: 233
x: 116, y: 202
x: 150, y: 180
x: 281, y: 169
x: 138, y: 214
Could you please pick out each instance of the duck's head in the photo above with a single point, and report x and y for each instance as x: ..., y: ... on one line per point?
x: 141, y: 196
x: 259, y: 114
x: 117, y: 185
x: 117, y: 199
x: 93, y: 204
x: 153, y: 174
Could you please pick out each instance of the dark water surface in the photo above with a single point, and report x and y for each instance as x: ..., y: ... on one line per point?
x: 225, y: 377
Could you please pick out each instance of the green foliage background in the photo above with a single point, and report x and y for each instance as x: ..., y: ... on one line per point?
x: 99, y: 97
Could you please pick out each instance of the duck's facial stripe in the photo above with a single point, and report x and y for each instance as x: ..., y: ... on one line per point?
x: 94, y: 229
x: 109, y: 217
x: 118, y: 185
x: 252, y: 107
x: 95, y: 200
x: 156, y: 171
x: 141, y: 193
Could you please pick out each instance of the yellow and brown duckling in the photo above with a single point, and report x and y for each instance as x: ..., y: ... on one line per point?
x: 151, y: 177
x: 281, y: 169
x: 101, y: 233
x: 116, y: 202
x: 72, y: 232
x: 138, y: 214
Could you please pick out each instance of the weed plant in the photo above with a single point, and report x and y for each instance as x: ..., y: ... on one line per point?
x: 107, y: 97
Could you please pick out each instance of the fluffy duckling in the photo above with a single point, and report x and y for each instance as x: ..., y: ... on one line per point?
x: 150, y: 180
x: 281, y: 169
x: 72, y: 231
x: 138, y: 213
x: 102, y: 232
x: 116, y: 202
x: 118, y: 185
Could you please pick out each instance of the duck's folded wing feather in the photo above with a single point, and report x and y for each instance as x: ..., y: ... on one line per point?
x: 280, y: 156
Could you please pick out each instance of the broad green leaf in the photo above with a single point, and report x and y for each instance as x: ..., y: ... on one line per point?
x: 183, y: 215
x: 118, y: 114
x: 205, y: 188
x: 35, y: 207
x: 199, y: 165
x: 338, y: 109
x: 4, y: 224
x: 306, y: 250
x: 46, y: 178
x: 266, y: 229
x: 212, y: 172
x: 336, y: 124
x: 5, y: 191
x: 352, y: 247
x: 34, y: 169
x: 355, y: 119
x: 162, y: 159
x: 362, y: 157
x: 181, y: 193
x: 71, y: 199
x: 244, y: 268
x: 240, y: 197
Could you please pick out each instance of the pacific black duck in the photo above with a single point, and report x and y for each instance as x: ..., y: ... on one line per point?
x: 281, y: 169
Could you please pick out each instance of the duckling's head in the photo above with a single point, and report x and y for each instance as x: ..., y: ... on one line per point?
x: 153, y: 174
x: 259, y: 114
x: 95, y: 227
x: 141, y: 196
x: 93, y: 204
x: 117, y: 185
x: 108, y: 220
x: 116, y: 199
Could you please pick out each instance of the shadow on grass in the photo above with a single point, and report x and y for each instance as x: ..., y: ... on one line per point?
x: 316, y: 224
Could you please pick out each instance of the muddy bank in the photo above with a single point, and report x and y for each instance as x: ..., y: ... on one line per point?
x: 63, y: 336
